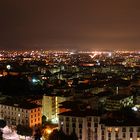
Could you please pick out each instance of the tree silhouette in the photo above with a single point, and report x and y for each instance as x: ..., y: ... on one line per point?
x: 24, y: 130
x: 57, y: 135
x: 2, y: 123
x: 73, y: 136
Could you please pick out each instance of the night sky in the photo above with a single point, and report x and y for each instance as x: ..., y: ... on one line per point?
x: 70, y: 24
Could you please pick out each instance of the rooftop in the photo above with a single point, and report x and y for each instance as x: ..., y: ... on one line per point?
x: 19, y: 104
x: 80, y: 113
x: 119, y: 97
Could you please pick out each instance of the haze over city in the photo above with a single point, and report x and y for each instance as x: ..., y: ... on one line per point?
x: 70, y: 24
x: 69, y: 70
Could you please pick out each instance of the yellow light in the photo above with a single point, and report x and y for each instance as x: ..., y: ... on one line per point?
x: 116, y: 129
x: 110, y: 129
x: 49, y: 131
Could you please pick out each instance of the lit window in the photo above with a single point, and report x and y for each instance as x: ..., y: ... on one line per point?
x: 110, y: 129
x: 116, y: 129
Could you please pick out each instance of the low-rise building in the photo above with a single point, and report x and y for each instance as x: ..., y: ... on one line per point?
x: 91, y: 125
x: 24, y: 114
x: 80, y: 123
x: 116, y: 102
x: 50, y: 106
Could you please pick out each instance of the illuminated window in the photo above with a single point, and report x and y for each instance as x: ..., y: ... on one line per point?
x: 109, y: 129
x: 116, y: 129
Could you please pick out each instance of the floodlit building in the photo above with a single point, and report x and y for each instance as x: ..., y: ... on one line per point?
x: 50, y: 106
x: 24, y: 114
x: 84, y: 123
x: 88, y: 125
x: 116, y: 102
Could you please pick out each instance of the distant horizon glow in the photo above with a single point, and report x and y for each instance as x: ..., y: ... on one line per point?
x: 73, y: 25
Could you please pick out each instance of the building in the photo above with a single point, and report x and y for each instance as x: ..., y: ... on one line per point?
x: 50, y: 106
x: 84, y: 123
x: 116, y: 102
x: 90, y: 125
x: 24, y: 114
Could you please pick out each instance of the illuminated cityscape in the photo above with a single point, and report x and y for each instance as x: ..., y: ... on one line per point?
x: 92, y: 95
x: 69, y: 70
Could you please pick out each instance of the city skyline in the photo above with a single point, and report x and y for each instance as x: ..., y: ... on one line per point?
x: 87, y: 25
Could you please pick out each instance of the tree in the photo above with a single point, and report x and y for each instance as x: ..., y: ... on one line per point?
x: 0, y: 135
x: 44, y: 120
x: 2, y: 123
x: 37, y: 134
x: 73, y: 136
x: 24, y: 130
x: 57, y: 135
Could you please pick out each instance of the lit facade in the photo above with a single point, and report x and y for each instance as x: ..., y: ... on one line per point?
x: 91, y: 128
x: 86, y: 128
x: 15, y: 115
x: 117, y: 102
x: 50, y: 106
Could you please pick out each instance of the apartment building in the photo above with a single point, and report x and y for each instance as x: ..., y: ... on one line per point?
x: 116, y: 102
x: 88, y: 125
x: 50, y: 106
x: 24, y: 114
x: 84, y: 123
